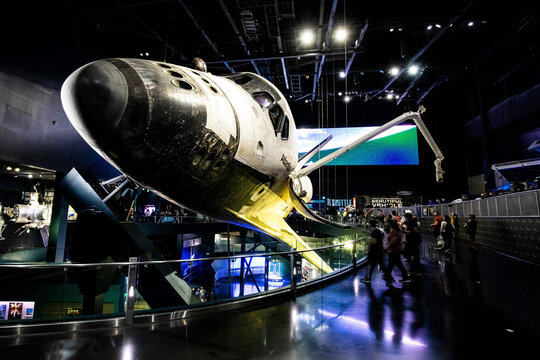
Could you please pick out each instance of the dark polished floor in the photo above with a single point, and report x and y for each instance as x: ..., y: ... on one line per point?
x: 466, y: 305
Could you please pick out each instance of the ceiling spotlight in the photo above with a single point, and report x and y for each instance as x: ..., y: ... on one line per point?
x: 430, y: 27
x: 396, y: 96
x: 341, y: 34
x: 340, y: 93
x: 413, y: 69
x: 471, y: 23
x: 347, y: 98
x: 30, y: 176
x: 394, y: 71
x: 17, y: 169
x: 307, y: 37
x: 342, y: 74
x: 438, y: 26
x: 306, y: 101
x: 390, y: 96
x: 391, y: 29
x: 400, y: 29
x: 9, y: 168
x: 147, y: 54
x: 141, y: 54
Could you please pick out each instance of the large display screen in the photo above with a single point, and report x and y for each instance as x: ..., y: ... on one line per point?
x: 396, y: 146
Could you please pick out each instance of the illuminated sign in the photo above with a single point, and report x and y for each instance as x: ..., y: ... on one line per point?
x: 15, y: 310
x: 386, y: 202
x: 396, y: 146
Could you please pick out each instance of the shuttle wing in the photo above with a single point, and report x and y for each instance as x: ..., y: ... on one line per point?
x: 301, y: 207
x: 274, y: 225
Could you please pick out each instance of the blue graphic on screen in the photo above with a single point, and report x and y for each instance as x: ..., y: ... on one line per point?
x: 396, y: 146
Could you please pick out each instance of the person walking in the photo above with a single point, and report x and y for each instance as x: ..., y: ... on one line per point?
x: 375, y: 252
x: 394, y: 249
x: 448, y: 233
x: 412, y: 243
x: 470, y: 229
x: 436, y: 225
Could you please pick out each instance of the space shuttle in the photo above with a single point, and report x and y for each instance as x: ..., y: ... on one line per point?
x: 222, y: 146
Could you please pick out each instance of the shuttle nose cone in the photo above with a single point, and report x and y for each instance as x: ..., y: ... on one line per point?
x: 94, y: 98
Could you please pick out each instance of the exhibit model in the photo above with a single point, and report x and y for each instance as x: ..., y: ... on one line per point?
x: 222, y: 146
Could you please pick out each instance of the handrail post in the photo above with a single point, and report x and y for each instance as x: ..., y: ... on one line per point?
x: 354, y: 254
x: 292, y: 260
x: 132, y: 281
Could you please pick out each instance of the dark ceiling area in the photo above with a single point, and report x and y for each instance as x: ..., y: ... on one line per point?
x: 456, y: 58
x: 438, y: 39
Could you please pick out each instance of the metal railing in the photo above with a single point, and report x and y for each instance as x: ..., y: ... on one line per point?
x: 65, y: 291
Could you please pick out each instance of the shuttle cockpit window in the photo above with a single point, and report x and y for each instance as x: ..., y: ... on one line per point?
x: 264, y: 99
x: 240, y: 79
x: 276, y: 116
x: 285, y: 129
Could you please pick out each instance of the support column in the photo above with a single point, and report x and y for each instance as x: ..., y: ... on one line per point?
x: 57, y: 231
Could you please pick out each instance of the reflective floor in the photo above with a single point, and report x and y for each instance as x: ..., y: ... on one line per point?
x: 464, y: 305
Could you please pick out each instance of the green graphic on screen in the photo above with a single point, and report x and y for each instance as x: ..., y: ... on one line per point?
x: 396, y: 146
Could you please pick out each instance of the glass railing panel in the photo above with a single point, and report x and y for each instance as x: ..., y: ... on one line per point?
x: 31, y: 294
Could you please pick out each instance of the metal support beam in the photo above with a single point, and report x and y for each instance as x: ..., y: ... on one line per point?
x: 131, y: 284
x: 285, y: 73
x: 287, y: 56
x: 424, y: 49
x: 356, y: 46
x: 319, y: 67
x: 411, y: 84
x: 203, y: 33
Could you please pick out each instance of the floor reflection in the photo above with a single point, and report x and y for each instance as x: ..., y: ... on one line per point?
x: 443, y: 314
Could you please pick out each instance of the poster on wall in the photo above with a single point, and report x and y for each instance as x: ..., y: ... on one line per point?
x: 16, y: 310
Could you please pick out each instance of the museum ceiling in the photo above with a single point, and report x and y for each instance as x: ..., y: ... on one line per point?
x: 390, y: 48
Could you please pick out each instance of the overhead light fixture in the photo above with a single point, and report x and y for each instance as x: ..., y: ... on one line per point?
x: 30, y: 176
x: 307, y: 37
x: 347, y: 98
x: 340, y: 93
x: 396, y: 96
x: 471, y: 23
x: 9, y: 168
x: 438, y: 26
x: 430, y: 27
x: 342, y: 74
x: 413, y: 69
x: 391, y: 29
x: 390, y: 96
x: 394, y: 71
x: 17, y: 169
x: 341, y: 34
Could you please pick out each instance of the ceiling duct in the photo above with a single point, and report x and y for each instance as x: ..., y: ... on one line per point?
x: 251, y: 25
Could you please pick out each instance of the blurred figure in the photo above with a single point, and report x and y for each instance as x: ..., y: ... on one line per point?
x: 470, y: 229
x: 375, y: 252
x: 436, y: 225
x: 412, y: 243
x: 448, y: 233
x: 394, y: 250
